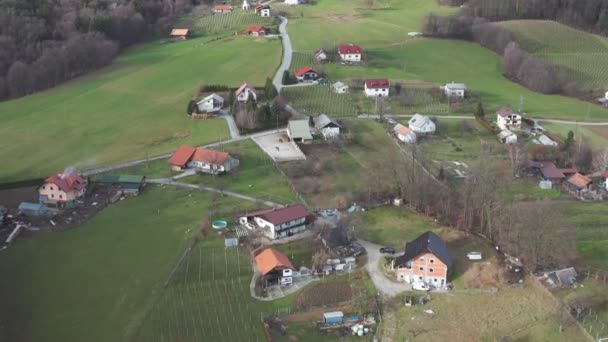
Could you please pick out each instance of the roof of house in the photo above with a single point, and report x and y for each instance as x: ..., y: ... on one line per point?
x: 545, y: 140
x: 299, y: 129
x: 456, y: 86
x: 222, y: 8
x: 179, y: 32
x: 505, y: 111
x: 339, y: 85
x: 569, y: 170
x: 505, y: 133
x: 563, y: 277
x: 304, y: 70
x: 68, y: 180
x: 210, y: 156
x: 428, y: 242
x: 242, y: 88
x: 212, y: 96
x: 579, y: 180
x: 254, y: 28
x: 377, y: 83
x: 548, y: 170
x: 349, y: 48
x: 323, y: 121
x: 261, y: 7
x: 281, y: 215
x: 419, y: 121
x: 182, y: 155
x: 401, y: 129
x: 271, y: 259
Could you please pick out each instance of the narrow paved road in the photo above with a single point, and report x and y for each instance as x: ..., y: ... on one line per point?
x: 287, y: 51
x: 234, y: 130
x: 169, y: 181
x: 384, y: 285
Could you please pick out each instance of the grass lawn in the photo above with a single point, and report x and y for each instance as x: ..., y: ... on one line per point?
x: 317, y: 99
x: 134, y: 108
x: 583, y: 55
x: 95, y: 282
x: 590, y: 221
x: 597, y: 135
x: 393, y: 226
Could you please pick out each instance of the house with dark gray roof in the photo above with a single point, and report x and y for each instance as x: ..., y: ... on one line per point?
x: 426, y: 260
x: 326, y: 126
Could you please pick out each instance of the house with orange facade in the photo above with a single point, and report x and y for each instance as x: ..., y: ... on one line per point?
x: 63, y: 189
x: 426, y: 260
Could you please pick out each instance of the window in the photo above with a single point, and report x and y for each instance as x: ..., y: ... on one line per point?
x: 421, y: 268
x: 43, y: 187
x: 422, y: 259
x: 431, y: 270
x: 435, y: 280
x: 61, y: 196
x: 52, y: 196
x: 432, y: 261
x: 51, y: 188
x: 420, y: 277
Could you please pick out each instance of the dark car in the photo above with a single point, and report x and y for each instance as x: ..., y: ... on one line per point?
x: 387, y: 250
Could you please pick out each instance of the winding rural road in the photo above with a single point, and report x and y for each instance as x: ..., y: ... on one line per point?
x: 287, y: 51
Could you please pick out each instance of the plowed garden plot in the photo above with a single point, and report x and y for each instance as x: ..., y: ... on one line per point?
x: 325, y: 294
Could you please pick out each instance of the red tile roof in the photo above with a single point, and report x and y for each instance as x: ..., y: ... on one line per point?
x: 261, y: 7
x: 349, y: 49
x: 222, y: 8
x: 285, y: 214
x: 402, y: 130
x: 254, y: 28
x: 377, y: 83
x: 209, y: 156
x: 182, y: 155
x: 304, y: 70
x: 271, y: 259
x: 179, y: 32
x: 68, y: 180
x: 579, y: 180
x: 504, y: 111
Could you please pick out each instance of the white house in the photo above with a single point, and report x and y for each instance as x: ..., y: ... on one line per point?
x: 306, y: 74
x: 377, y: 87
x: 605, y: 180
x: 292, y: 2
x: 210, y: 104
x: 210, y: 161
x: 339, y: 88
x: 245, y: 5
x: 506, y: 118
x: 350, y: 52
x: 328, y: 127
x: 222, y: 9
x: 507, y: 137
x: 279, y: 222
x: 263, y: 10
x: 454, y: 89
x: 404, y: 134
x: 421, y: 124
x: 244, y: 92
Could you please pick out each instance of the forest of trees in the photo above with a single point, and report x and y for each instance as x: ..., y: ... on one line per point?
x: 46, y: 42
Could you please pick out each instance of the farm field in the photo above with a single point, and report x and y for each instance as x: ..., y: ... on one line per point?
x: 424, y: 60
x: 229, y: 22
x: 132, y: 109
x: 590, y: 221
x: 95, y: 282
x: 597, y: 135
x: 316, y: 99
x: 582, y: 54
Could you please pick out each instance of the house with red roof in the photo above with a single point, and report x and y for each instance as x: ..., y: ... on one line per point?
x: 179, y: 34
x: 377, y: 87
x: 62, y: 189
x: 507, y: 119
x: 202, y: 160
x: 277, y: 223
x: 306, y: 74
x: 350, y: 52
x: 275, y: 267
x: 244, y: 92
x: 256, y: 30
x: 222, y: 9
x: 577, y: 184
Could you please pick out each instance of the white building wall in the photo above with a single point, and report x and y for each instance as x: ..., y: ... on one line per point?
x: 350, y: 57
x: 376, y: 92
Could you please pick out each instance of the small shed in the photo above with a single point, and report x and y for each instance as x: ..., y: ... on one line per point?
x: 564, y: 278
x: 299, y: 131
x: 32, y: 209
x: 129, y: 184
x: 334, y: 317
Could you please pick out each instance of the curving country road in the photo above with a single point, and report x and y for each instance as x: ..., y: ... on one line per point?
x: 384, y: 285
x: 287, y: 51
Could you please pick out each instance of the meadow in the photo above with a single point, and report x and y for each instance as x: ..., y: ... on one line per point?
x: 583, y: 55
x: 133, y: 109
x: 590, y: 221
x: 96, y: 282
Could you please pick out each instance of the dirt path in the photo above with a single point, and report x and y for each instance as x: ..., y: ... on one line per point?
x: 382, y: 283
x: 287, y: 51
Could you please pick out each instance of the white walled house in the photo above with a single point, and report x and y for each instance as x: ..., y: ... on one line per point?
x: 210, y: 104
x: 292, y: 2
x: 243, y: 93
x: 306, y: 74
x: 339, y: 88
x: 350, y: 53
x: 326, y: 126
x: 454, y: 89
x: 279, y: 222
x: 377, y: 87
x: 404, y: 134
x: 507, y: 137
x: 507, y: 119
x: 421, y: 124
x: 263, y: 10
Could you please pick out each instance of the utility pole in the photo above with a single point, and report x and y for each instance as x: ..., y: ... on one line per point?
x: 521, y: 104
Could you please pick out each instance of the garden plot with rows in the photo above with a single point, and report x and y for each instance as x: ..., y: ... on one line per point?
x: 238, y: 20
x: 317, y: 99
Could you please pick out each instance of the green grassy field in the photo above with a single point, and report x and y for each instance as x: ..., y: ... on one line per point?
x: 132, y: 109
x: 317, y: 99
x: 598, y: 135
x: 393, y: 226
x: 583, y: 55
x: 95, y: 282
x: 590, y: 221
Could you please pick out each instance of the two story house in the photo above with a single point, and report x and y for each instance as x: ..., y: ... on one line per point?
x: 507, y: 119
x: 377, y: 87
x: 63, y: 189
x: 350, y: 52
x: 279, y: 222
x: 245, y: 92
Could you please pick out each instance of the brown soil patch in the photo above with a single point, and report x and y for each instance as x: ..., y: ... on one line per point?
x: 484, y: 275
x: 325, y: 294
x: 599, y: 130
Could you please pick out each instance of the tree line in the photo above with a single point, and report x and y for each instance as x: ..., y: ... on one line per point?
x: 46, y: 42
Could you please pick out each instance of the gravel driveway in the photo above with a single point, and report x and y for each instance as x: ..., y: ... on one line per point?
x: 384, y: 285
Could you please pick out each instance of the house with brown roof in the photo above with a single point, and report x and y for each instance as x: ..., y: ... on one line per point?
x: 202, y: 160
x: 62, y: 189
x: 244, y: 92
x: 222, y: 9
x: 256, y: 30
x: 179, y: 34
x: 278, y: 222
x: 271, y: 260
x: 376, y: 87
x: 306, y: 74
x: 350, y: 52
x: 577, y: 184
x: 548, y: 171
x: 507, y: 119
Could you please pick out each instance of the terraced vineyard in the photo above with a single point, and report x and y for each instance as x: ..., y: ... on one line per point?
x: 583, y: 55
x: 238, y: 20
x: 316, y: 99
x: 299, y: 60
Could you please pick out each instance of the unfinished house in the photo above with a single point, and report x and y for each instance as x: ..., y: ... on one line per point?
x: 278, y: 222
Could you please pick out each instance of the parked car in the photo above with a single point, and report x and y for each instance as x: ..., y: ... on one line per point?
x: 387, y: 250
x: 474, y: 256
x: 420, y: 286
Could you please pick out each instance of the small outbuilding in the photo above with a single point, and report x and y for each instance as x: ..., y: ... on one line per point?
x: 222, y: 9
x: 454, y: 89
x: 263, y: 10
x: 563, y: 278
x: 578, y: 183
x: 334, y: 317
x: 339, y: 88
x: 32, y: 209
x: 327, y: 127
x: 210, y: 104
x: 507, y: 137
x: 404, y: 134
x: 299, y: 131
x: 179, y: 34
x: 319, y: 56
x: 421, y: 124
